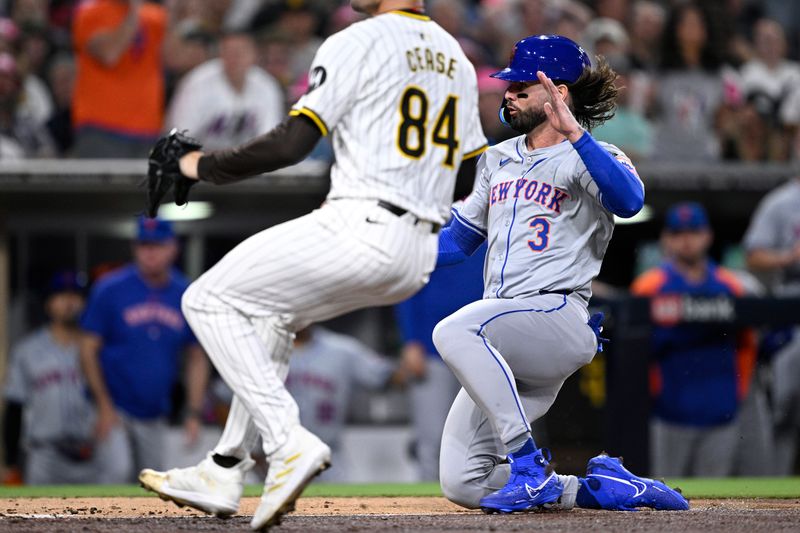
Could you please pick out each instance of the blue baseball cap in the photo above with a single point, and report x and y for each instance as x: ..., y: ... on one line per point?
x: 65, y: 281
x: 154, y: 230
x: 686, y: 216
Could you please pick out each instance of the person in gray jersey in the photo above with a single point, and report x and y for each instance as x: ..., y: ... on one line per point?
x: 324, y: 370
x: 772, y: 243
x: 545, y: 201
x: 47, y: 410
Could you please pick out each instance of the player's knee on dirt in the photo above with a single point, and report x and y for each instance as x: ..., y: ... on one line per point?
x: 466, y: 482
x: 461, y: 491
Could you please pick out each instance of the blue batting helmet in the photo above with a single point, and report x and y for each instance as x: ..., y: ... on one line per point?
x: 559, y: 58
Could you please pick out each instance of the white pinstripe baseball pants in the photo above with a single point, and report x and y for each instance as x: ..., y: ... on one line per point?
x: 346, y: 255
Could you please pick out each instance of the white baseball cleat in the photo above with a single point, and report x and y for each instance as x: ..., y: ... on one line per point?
x: 291, y: 468
x: 207, y: 486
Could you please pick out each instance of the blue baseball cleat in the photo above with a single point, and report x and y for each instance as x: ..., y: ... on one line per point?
x: 609, y: 485
x: 530, y: 486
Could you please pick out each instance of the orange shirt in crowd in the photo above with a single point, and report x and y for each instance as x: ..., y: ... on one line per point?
x: 127, y: 98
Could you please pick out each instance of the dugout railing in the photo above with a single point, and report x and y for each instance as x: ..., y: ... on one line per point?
x: 627, y: 356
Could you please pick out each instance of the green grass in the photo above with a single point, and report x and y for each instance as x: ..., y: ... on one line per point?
x: 692, y: 488
x: 745, y: 487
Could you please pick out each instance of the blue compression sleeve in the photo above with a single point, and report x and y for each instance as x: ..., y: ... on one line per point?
x: 622, y: 194
x: 456, y: 242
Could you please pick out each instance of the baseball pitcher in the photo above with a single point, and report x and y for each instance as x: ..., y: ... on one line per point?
x: 399, y: 98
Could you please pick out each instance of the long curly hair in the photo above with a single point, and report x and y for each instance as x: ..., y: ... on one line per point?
x: 593, y: 96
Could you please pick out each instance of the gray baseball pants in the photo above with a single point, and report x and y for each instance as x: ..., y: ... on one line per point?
x: 511, y: 356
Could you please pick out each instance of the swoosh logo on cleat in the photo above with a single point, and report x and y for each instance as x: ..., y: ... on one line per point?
x: 534, y: 492
x: 635, y: 484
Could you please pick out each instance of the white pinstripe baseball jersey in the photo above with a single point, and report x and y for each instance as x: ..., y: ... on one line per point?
x: 399, y: 97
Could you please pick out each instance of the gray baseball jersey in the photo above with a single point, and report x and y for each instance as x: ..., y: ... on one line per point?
x: 46, y: 378
x: 542, y: 215
x: 322, y: 374
x: 549, y: 229
x: 776, y: 226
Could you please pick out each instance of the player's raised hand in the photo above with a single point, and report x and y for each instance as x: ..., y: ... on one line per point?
x: 558, y: 112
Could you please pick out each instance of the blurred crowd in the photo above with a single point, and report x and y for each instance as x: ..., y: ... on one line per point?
x: 703, y: 81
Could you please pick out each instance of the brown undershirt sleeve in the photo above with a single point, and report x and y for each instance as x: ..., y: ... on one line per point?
x: 286, y: 144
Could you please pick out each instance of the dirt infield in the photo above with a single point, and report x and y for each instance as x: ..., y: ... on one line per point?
x: 120, y: 515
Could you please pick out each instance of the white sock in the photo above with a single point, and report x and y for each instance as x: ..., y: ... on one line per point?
x: 567, y: 499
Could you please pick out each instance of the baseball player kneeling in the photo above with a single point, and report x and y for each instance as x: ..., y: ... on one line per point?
x: 545, y: 201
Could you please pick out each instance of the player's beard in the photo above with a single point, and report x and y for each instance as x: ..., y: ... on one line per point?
x: 526, y: 121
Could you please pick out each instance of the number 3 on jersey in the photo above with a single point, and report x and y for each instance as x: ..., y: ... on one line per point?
x: 412, y: 132
x: 541, y: 234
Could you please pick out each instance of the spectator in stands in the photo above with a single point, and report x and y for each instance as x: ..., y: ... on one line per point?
x: 614, y: 9
x: 131, y: 351
x: 190, y: 45
x: 119, y: 96
x: 299, y: 21
x: 342, y: 17
x: 788, y: 14
x: 227, y: 101
x: 700, y: 374
x: 771, y: 84
x: 450, y: 15
x: 9, y: 35
x: 571, y: 19
x: 646, y: 29
x: 48, y: 419
x: 453, y: 16
x: 209, y: 15
x: 20, y: 137
x: 274, y: 53
x: 34, y: 45
x: 629, y: 129
x: 689, y: 88
x: 772, y: 243
x: 606, y: 37
x: 62, y: 83
x: 433, y: 385
x: 34, y: 105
